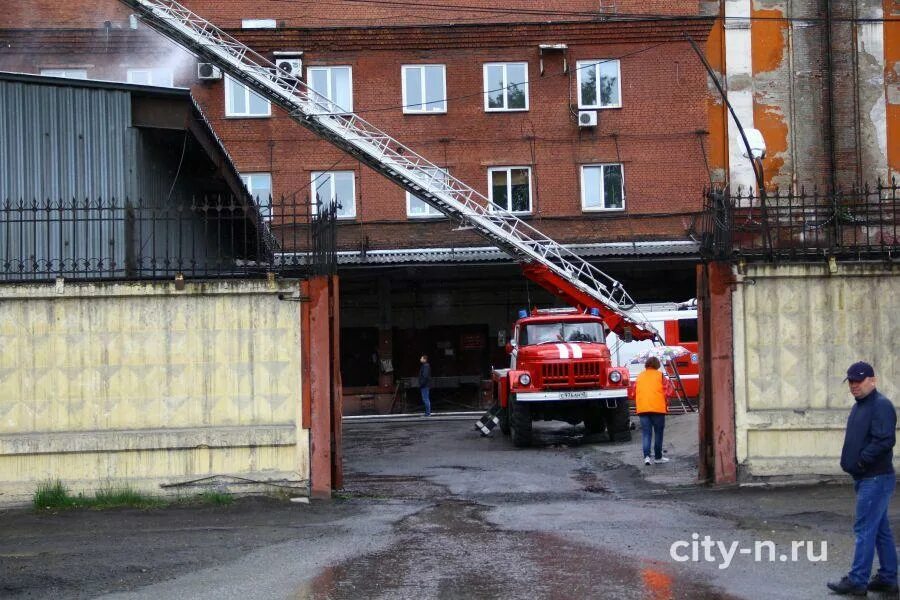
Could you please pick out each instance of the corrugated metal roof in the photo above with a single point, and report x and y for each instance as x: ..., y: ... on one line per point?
x: 402, y: 256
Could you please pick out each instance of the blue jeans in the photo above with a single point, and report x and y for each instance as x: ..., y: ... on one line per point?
x: 426, y: 399
x: 873, y: 531
x: 657, y: 422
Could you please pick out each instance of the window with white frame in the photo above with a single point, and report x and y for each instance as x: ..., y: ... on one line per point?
x: 424, y: 89
x: 257, y: 23
x: 510, y: 188
x: 241, y: 101
x: 161, y: 77
x: 335, y: 187
x: 67, y: 73
x: 260, y: 187
x: 505, y: 86
x: 599, y: 84
x: 602, y: 187
x: 418, y: 209
x: 335, y: 83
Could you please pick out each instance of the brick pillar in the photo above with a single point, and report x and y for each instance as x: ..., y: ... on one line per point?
x: 718, y: 460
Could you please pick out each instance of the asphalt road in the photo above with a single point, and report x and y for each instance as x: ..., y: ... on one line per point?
x: 432, y: 510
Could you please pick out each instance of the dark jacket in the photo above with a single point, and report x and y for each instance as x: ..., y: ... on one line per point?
x: 870, y: 437
x: 425, y: 376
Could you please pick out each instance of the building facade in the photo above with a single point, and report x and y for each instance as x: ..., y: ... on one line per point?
x: 590, y: 122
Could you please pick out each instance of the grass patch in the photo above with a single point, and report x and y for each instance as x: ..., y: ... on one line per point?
x: 54, y: 495
x: 124, y: 497
x: 215, y: 498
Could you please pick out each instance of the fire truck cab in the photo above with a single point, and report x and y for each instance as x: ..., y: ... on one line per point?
x: 561, y: 370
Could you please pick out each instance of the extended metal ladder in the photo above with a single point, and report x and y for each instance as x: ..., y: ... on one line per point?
x: 381, y: 152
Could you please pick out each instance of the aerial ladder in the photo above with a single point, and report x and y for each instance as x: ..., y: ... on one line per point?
x: 549, y: 264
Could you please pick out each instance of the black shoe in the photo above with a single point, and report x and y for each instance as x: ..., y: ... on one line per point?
x: 845, y: 587
x: 880, y: 585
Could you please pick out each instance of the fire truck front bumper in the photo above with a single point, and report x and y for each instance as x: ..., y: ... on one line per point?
x: 565, y: 396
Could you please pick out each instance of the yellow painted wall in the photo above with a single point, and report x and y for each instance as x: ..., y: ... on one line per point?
x: 142, y: 384
x: 796, y: 330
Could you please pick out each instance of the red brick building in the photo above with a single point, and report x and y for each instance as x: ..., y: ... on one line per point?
x: 492, y: 95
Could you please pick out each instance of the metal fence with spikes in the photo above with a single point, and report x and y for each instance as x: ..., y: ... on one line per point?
x: 802, y: 224
x: 94, y: 239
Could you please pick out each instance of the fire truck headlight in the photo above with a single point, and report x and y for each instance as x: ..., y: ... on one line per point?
x: 524, y: 379
x: 615, y: 376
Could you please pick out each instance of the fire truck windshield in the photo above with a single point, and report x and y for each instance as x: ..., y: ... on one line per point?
x: 549, y: 333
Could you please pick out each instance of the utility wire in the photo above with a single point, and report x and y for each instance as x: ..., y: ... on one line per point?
x: 595, y: 15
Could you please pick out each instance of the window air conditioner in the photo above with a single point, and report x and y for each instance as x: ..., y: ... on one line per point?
x: 208, y: 71
x: 291, y: 66
x: 587, y: 118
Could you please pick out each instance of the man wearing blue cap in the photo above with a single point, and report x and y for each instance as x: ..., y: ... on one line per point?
x: 868, y: 457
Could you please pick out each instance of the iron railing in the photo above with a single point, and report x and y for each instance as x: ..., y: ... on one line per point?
x: 790, y: 224
x: 217, y: 236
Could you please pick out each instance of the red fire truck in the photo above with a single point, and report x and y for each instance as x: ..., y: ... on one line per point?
x: 560, y: 369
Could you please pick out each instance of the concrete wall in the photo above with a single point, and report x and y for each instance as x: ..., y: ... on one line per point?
x: 142, y: 384
x: 796, y: 329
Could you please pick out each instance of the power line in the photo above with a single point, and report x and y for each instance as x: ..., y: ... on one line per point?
x: 594, y: 15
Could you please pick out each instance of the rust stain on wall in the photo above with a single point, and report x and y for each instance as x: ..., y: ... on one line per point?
x: 892, y: 84
x: 770, y: 121
x: 717, y: 149
x: 769, y: 33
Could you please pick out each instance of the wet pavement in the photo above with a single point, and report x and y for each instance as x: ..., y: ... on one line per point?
x: 432, y: 510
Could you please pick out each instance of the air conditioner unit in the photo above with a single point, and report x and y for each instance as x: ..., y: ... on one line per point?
x: 291, y: 66
x: 208, y: 71
x: 587, y: 118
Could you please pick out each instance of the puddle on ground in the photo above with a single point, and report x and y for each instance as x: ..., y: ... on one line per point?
x: 449, y: 551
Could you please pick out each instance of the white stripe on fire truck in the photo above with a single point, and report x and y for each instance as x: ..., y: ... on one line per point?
x: 563, y: 351
x: 576, y: 350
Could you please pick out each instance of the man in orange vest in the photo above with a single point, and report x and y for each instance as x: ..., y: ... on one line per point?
x: 651, y: 407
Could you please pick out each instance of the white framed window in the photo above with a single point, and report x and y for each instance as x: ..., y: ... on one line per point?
x: 602, y: 187
x: 67, y: 73
x: 160, y: 77
x: 424, y: 89
x: 510, y: 188
x: 416, y: 208
x: 335, y: 187
x: 335, y: 83
x: 260, y: 187
x: 505, y: 86
x: 599, y: 83
x: 257, y: 23
x: 241, y: 101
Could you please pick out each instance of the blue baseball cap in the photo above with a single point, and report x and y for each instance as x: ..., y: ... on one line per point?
x: 859, y: 371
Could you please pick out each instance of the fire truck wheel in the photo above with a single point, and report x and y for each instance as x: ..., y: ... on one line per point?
x: 619, y: 429
x: 503, y: 415
x: 520, y: 423
x: 594, y: 420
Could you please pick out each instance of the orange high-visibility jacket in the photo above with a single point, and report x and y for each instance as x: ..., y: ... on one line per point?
x: 650, y: 392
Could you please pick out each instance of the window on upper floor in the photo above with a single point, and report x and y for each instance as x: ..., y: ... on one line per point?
x: 258, y: 23
x: 161, y: 77
x: 510, y: 188
x: 241, y: 101
x: 602, y: 187
x: 335, y: 187
x: 505, y: 86
x: 599, y: 84
x: 418, y: 209
x: 336, y: 84
x: 424, y: 89
x: 67, y: 73
x: 260, y: 187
